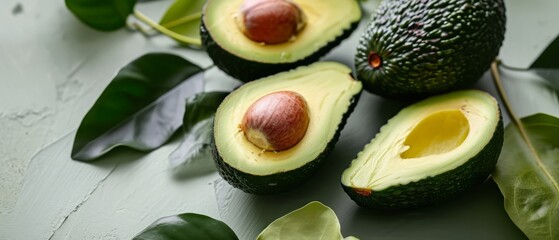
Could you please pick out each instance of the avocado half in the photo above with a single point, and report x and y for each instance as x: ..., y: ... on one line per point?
x: 331, y: 94
x: 328, y: 22
x: 413, y: 49
x: 430, y: 151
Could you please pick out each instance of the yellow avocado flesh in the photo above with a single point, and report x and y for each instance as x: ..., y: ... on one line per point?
x: 425, y: 139
x: 328, y: 89
x: 438, y: 133
x: 325, y: 20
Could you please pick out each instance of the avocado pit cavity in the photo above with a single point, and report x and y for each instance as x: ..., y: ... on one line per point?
x: 270, y: 21
x: 439, y: 133
x: 277, y: 121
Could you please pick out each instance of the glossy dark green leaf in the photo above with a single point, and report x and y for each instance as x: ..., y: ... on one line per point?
x: 141, y: 108
x: 187, y: 226
x: 193, y: 156
x: 105, y: 15
x: 527, y: 174
x: 183, y: 17
x: 549, y: 58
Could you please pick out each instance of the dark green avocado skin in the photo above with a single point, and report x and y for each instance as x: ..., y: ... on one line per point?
x: 247, y: 70
x: 282, y: 181
x: 429, y: 47
x: 436, y: 188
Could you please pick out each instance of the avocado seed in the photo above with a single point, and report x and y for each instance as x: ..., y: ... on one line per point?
x: 270, y: 21
x: 277, y: 121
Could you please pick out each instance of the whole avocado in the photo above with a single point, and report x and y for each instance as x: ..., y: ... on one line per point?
x: 412, y: 49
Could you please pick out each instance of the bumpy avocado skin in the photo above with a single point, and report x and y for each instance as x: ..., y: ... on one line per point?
x: 429, y: 47
x: 247, y: 70
x: 436, y: 188
x: 283, y: 181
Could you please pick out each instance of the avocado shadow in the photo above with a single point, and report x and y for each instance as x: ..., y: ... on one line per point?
x: 474, y: 214
x: 370, y: 113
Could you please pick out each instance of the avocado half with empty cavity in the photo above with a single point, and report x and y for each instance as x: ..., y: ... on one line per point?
x: 321, y: 26
x: 252, y: 160
x: 430, y: 151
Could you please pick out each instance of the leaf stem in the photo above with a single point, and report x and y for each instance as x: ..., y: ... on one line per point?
x: 145, y: 19
x: 137, y: 27
x: 508, y: 106
x: 188, y: 18
x: 499, y: 85
x: 502, y: 64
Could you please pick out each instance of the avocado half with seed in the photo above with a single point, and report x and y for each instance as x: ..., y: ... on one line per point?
x: 326, y: 24
x: 413, y: 49
x: 330, y: 94
x: 430, y: 151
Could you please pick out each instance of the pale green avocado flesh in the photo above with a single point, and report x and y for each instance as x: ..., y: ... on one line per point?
x: 426, y: 140
x: 325, y: 21
x: 327, y: 88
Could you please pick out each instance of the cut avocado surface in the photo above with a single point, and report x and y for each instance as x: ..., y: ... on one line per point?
x: 327, y: 23
x: 430, y: 151
x: 330, y: 93
x: 412, y: 49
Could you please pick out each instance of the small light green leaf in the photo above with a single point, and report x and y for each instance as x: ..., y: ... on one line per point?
x: 549, y: 58
x: 313, y: 221
x: 141, y: 108
x: 183, y: 18
x: 527, y: 174
x: 104, y: 15
x: 187, y: 226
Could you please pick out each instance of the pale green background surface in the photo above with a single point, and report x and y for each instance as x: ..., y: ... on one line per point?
x: 52, y: 69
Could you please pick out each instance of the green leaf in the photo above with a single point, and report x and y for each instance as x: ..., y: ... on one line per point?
x: 187, y: 226
x: 527, y: 174
x: 141, y: 108
x: 313, y: 221
x: 193, y: 156
x: 183, y: 18
x: 200, y: 107
x: 549, y: 58
x: 104, y: 15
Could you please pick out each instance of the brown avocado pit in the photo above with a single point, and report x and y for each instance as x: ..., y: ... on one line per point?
x: 276, y: 121
x: 270, y: 21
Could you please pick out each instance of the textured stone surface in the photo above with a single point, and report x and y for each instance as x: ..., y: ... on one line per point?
x: 52, y: 69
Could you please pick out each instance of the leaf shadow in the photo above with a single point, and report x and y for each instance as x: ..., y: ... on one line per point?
x: 118, y: 156
x: 187, y: 172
